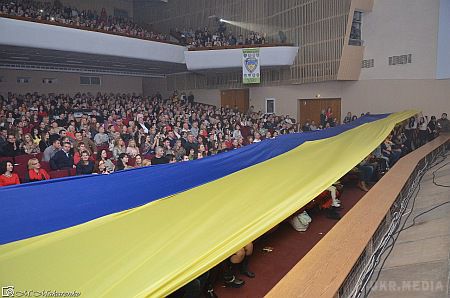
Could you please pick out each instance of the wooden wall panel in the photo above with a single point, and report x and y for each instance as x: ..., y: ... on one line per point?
x: 317, y: 26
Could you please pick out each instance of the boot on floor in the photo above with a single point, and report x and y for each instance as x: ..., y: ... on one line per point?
x: 244, y: 268
x: 230, y: 280
x: 333, y: 214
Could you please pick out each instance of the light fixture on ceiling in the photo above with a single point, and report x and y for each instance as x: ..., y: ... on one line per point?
x: 20, y: 57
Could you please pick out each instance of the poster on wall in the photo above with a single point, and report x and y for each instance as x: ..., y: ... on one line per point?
x: 250, y: 66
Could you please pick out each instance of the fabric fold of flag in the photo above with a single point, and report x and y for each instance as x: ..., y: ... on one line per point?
x: 34, y: 209
x: 152, y: 250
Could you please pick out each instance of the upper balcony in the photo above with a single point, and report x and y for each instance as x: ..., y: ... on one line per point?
x: 42, y: 45
x: 228, y: 57
x: 35, y: 44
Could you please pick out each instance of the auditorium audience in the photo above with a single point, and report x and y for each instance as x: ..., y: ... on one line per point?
x: 13, y: 147
x: 55, y: 12
x: 119, y: 148
x: 85, y: 165
x: 390, y: 151
x: 122, y: 162
x: 132, y: 150
x: 444, y: 123
x: 63, y: 159
x: 218, y: 38
x: 181, y: 128
x: 423, y: 131
x: 138, y: 161
x: 29, y: 146
x: 35, y: 173
x: 366, y: 170
x: 239, y: 261
x: 51, y: 150
x: 7, y: 177
x: 103, y: 156
x: 432, y: 128
x: 159, y: 157
x: 100, y: 167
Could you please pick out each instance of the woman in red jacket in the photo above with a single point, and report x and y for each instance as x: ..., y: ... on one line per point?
x: 35, y: 173
x: 7, y: 177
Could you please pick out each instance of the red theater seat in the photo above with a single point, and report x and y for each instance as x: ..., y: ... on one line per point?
x: 148, y: 156
x: 58, y: 174
x: 21, y: 170
x: 101, y: 147
x: 39, y: 155
x: 45, y: 165
x: 7, y: 158
x: 23, y: 159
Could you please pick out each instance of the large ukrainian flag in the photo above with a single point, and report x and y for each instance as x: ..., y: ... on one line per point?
x: 147, y: 232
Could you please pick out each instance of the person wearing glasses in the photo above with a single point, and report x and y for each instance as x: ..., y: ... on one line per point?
x: 35, y: 173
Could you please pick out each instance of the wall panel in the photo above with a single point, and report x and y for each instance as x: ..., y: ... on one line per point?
x: 317, y: 26
x: 67, y: 83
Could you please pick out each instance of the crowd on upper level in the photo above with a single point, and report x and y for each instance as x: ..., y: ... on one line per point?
x: 219, y: 38
x: 55, y: 12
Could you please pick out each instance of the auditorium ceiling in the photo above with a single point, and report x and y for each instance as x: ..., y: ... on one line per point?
x: 52, y: 60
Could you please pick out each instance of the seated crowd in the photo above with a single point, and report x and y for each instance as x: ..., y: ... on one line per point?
x: 220, y: 38
x: 85, y: 133
x: 102, y: 133
x: 55, y: 12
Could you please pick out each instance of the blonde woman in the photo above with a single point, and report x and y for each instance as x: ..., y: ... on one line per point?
x: 29, y: 145
x: 35, y: 173
x: 119, y: 148
x: 132, y: 149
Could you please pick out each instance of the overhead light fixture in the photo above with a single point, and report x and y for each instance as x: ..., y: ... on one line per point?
x: 41, y: 10
x: 20, y: 57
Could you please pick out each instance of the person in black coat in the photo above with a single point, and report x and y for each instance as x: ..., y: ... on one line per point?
x: 62, y: 159
x: 12, y: 147
x: 85, y: 166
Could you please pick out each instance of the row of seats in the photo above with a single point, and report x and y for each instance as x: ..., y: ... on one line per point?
x: 21, y: 165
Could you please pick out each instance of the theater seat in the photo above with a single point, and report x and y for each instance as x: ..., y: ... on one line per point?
x: 7, y: 158
x: 58, y: 174
x: 39, y: 155
x: 148, y: 156
x: 23, y: 159
x: 101, y: 147
x: 21, y: 170
x: 45, y: 165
